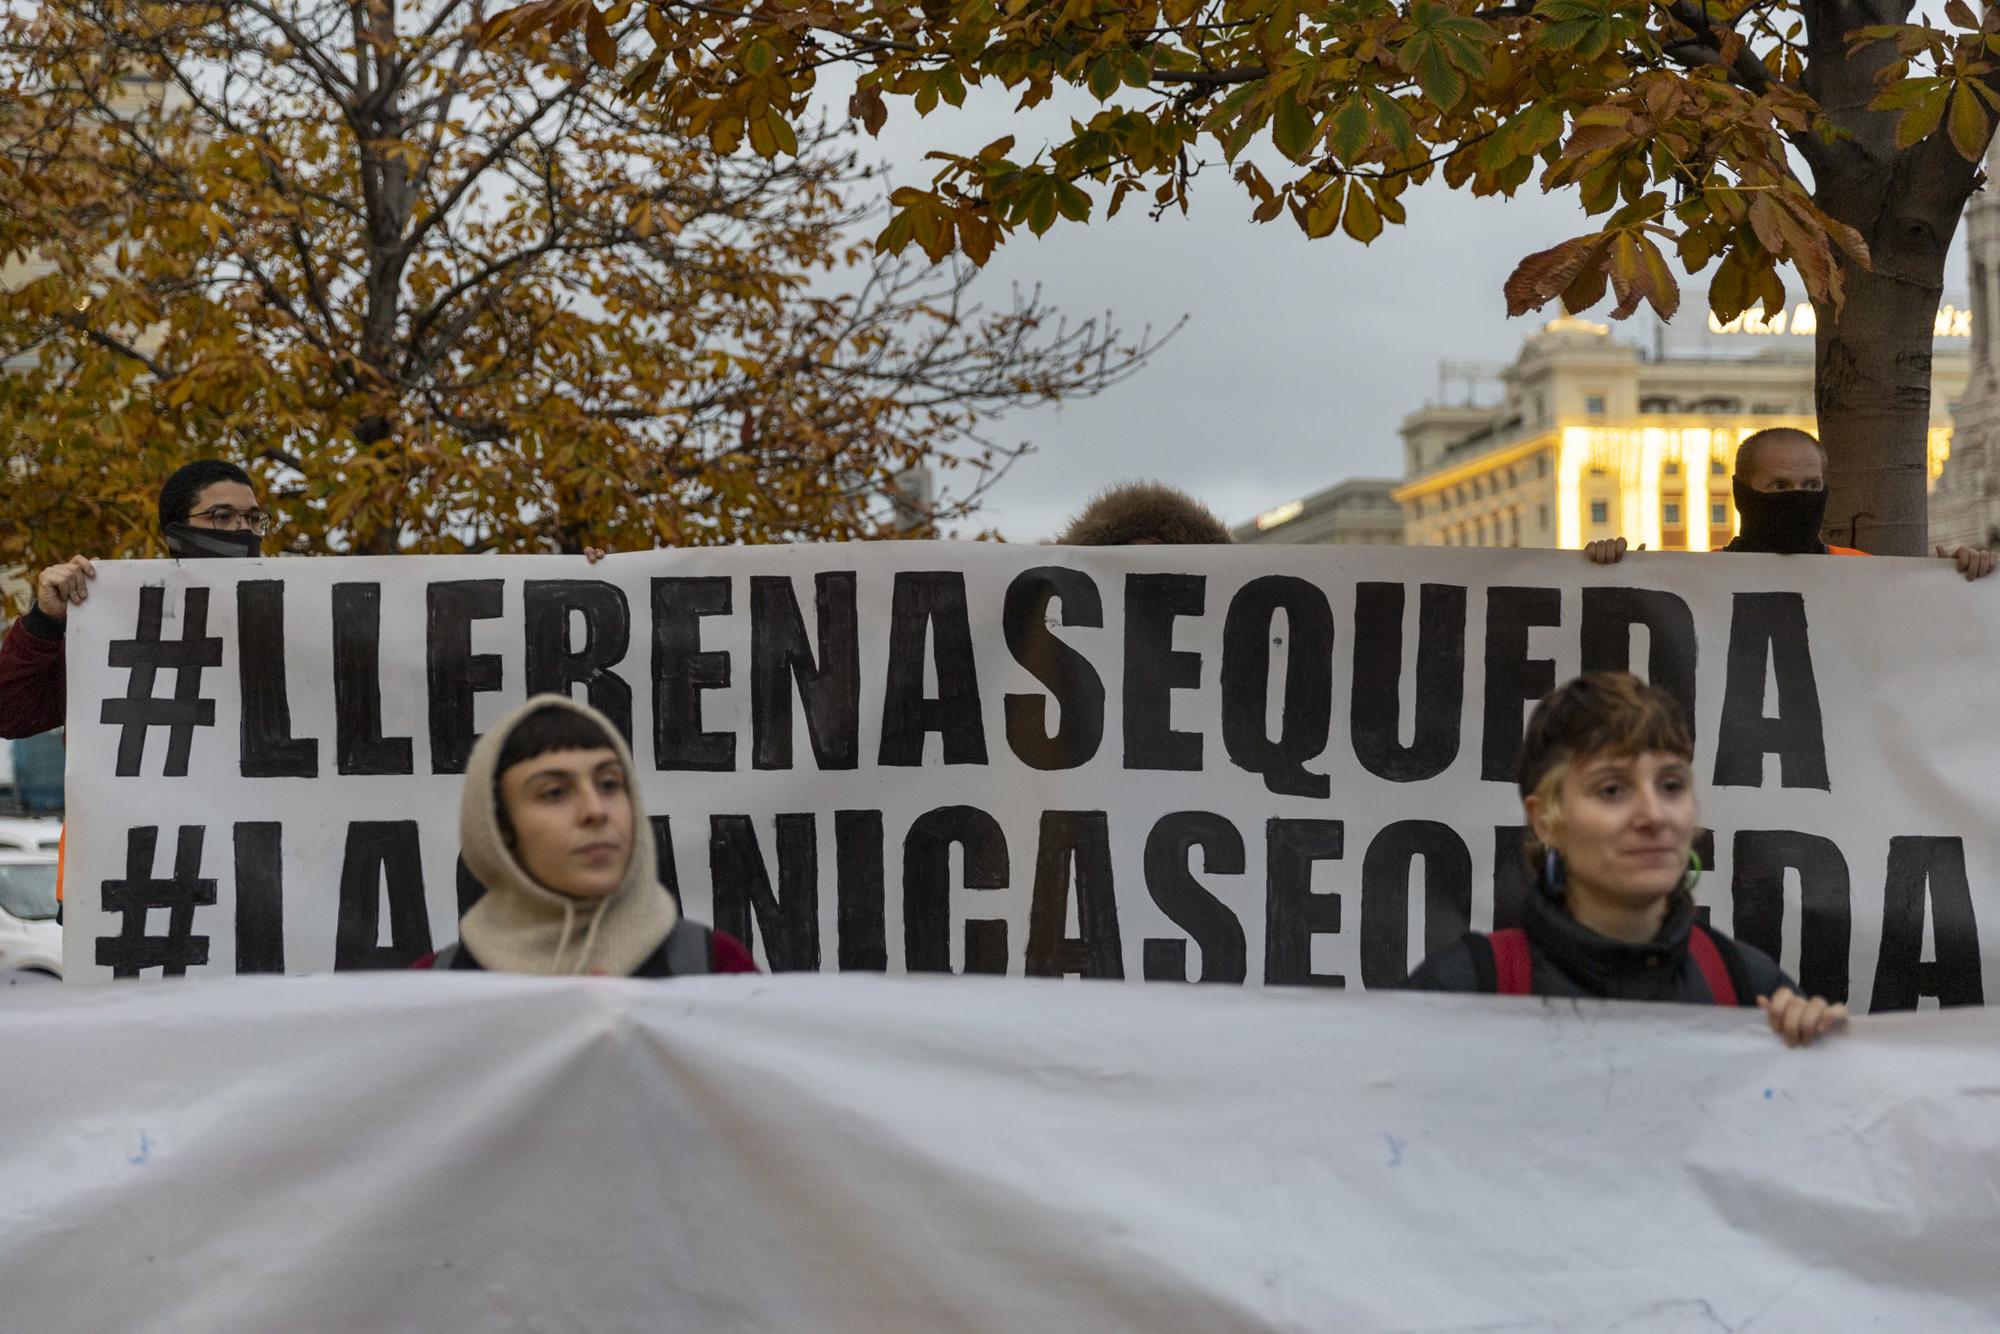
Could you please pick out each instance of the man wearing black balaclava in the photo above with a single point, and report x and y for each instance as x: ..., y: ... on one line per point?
x: 208, y: 508
x: 1780, y: 494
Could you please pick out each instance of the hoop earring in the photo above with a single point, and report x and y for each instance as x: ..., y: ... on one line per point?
x: 1694, y: 870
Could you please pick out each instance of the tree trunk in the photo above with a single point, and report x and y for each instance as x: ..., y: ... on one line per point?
x: 1873, y: 396
x: 1873, y: 357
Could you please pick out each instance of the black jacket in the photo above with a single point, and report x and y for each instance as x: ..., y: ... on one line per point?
x: 1572, y: 960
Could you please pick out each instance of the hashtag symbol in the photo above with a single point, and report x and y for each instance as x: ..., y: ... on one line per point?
x: 132, y: 950
x: 145, y: 654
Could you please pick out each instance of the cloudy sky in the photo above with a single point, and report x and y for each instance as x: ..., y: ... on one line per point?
x: 1299, y: 357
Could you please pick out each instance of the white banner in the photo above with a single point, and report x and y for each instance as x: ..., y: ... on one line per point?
x: 1280, y: 765
x: 451, y: 1152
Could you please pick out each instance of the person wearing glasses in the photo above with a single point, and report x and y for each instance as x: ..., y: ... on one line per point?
x: 207, y: 508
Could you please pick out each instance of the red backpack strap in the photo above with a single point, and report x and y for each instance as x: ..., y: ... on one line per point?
x: 1513, y: 966
x: 1701, y: 948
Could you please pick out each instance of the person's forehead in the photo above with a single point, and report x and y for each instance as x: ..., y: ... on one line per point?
x: 1788, y: 456
x: 563, y: 763
x: 1626, y: 760
x: 224, y: 493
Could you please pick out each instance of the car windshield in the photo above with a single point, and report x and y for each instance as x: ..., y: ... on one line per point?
x: 28, y: 890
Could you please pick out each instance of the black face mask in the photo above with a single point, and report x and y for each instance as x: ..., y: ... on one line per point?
x: 1784, y: 522
x: 192, y: 543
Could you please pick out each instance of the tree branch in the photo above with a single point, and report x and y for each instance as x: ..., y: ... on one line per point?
x: 1213, y: 78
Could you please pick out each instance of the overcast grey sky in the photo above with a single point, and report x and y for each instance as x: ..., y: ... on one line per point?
x: 1299, y: 357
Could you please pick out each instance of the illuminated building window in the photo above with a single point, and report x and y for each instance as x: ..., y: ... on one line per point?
x: 1715, y: 467
x: 1594, y: 405
x: 1600, y: 511
x: 1718, y: 514
x: 1672, y: 469
x: 1670, y: 514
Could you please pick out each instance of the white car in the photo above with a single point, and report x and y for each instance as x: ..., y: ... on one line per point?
x: 30, y: 835
x: 30, y: 936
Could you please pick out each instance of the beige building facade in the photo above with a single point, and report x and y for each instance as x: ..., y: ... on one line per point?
x: 1594, y: 438
x: 1360, y: 511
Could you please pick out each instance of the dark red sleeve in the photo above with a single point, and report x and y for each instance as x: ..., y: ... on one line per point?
x: 726, y: 954
x: 427, y: 961
x: 32, y: 682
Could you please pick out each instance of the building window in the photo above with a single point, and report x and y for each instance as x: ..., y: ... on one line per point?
x: 1670, y: 514
x: 1672, y: 469
x: 1541, y: 465
x: 1769, y: 409
x: 1514, y: 527
x: 1718, y: 513
x: 1715, y: 467
x: 1542, y: 517
x: 1600, y: 511
x: 1594, y: 405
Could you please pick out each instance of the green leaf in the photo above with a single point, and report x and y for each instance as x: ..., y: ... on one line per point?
x: 1103, y: 78
x: 1292, y: 128
x: 1393, y: 121
x: 758, y: 56
x: 1429, y: 62
x: 1072, y: 202
x: 1537, y: 127
x: 1348, y: 129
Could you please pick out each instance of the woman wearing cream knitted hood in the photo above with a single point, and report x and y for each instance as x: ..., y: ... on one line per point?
x: 550, y: 824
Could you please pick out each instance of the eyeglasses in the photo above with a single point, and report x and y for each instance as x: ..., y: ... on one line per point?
x: 226, y: 519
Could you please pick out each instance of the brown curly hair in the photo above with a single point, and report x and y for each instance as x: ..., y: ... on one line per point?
x: 1144, y: 512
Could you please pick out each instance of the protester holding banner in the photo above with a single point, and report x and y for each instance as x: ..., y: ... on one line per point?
x: 1780, y: 494
x: 207, y: 508
x: 550, y: 824
x: 1608, y: 790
